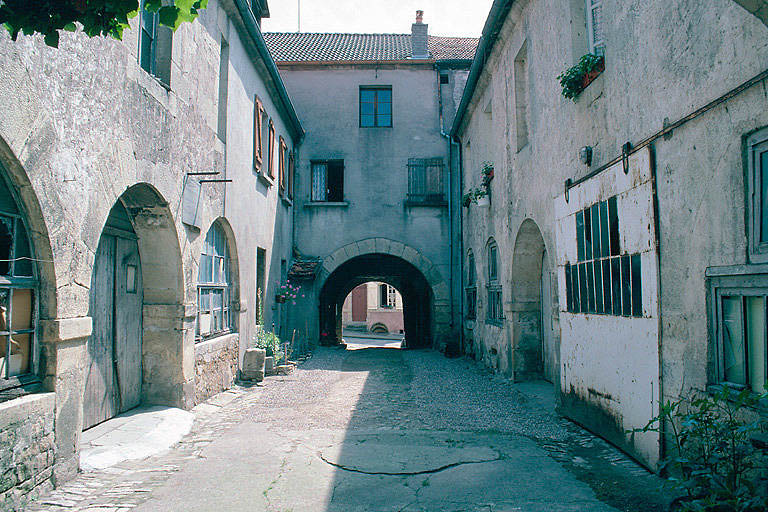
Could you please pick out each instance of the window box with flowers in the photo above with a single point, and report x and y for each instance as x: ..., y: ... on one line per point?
x: 575, y: 79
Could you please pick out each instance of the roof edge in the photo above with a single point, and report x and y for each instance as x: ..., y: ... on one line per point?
x: 496, y: 17
x: 261, y: 46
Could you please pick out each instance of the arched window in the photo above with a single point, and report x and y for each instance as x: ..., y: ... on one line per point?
x: 214, y: 286
x: 18, y: 293
x: 495, y: 311
x: 471, y: 287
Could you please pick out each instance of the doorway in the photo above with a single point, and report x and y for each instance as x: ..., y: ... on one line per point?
x: 114, y: 372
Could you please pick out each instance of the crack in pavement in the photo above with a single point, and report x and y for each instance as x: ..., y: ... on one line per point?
x: 407, y: 473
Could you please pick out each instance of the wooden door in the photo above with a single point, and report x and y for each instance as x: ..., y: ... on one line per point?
x: 547, y: 333
x: 113, y: 381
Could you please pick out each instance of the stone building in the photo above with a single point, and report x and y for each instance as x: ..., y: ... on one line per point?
x: 621, y: 254
x: 375, y: 185
x: 140, y: 212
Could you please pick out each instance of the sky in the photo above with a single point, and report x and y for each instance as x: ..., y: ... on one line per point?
x: 445, y: 17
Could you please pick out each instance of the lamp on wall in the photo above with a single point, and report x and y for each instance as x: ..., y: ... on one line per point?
x: 585, y: 155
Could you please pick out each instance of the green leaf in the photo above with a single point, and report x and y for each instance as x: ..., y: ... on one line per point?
x: 70, y: 27
x: 168, y: 16
x: 52, y: 39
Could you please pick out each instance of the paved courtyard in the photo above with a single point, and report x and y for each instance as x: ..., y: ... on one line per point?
x: 376, y: 429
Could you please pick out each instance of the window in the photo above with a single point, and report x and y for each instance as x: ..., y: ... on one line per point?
x: 283, y: 166
x: 495, y: 313
x: 328, y: 180
x: 603, y: 280
x: 18, y: 294
x: 739, y: 309
x: 291, y: 174
x: 258, y: 114
x: 271, y: 154
x: 595, y: 27
x: 425, y: 180
x: 521, y: 96
x: 471, y: 288
x: 387, y: 296
x: 214, y: 286
x: 444, y: 78
x: 261, y: 279
x: 375, y: 107
x: 155, y: 46
x: 221, y: 130
x: 757, y: 160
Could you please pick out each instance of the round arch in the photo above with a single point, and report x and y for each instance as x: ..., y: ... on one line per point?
x: 531, y: 297
x: 426, y: 308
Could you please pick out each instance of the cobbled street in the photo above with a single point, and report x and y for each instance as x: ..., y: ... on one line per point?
x: 375, y: 429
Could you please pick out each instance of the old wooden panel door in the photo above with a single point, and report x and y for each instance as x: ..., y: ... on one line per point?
x: 113, y: 382
x: 547, y: 333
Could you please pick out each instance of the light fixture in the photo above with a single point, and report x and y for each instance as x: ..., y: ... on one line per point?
x: 585, y: 155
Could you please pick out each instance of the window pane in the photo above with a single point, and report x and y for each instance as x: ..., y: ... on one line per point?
x: 575, y: 288
x: 595, y: 219
x: 366, y: 109
x: 384, y: 108
x: 613, y: 228
x: 335, y: 188
x: 763, y: 163
x: 205, y: 274
x: 599, y: 288
x: 637, y: 286
x: 607, y: 286
x: 367, y: 96
x: 22, y: 309
x: 568, y: 290
x: 366, y: 120
x: 755, y: 309
x: 384, y: 96
x: 583, y: 288
x: 626, y: 286
x: 23, y: 264
x: 587, y: 234
x: 6, y: 245
x: 591, y: 286
x: 318, y: 182
x: 580, y: 236
x: 616, y: 285
x: 20, y: 344
x: 734, y: 365
x: 605, y: 248
x: 383, y: 120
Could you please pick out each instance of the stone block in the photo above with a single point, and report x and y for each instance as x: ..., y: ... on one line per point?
x: 253, y: 364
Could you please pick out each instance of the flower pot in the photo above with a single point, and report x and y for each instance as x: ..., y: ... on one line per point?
x: 484, y: 201
x: 253, y: 364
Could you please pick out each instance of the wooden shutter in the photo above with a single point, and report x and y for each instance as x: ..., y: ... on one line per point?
x: 271, y: 149
x: 258, y: 112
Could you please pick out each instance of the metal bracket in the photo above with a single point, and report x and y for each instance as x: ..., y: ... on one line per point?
x: 568, y: 183
x: 625, y: 150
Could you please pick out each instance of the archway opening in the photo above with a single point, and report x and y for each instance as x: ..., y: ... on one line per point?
x: 382, y: 270
x: 135, y: 352
x: 532, y: 306
x: 372, y: 316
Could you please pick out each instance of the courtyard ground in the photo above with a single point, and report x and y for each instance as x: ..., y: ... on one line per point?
x: 374, y: 429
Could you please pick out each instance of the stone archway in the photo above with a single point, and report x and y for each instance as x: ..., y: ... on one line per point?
x: 167, y: 368
x: 526, y: 293
x: 426, y: 306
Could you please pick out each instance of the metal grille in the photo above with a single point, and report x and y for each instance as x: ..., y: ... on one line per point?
x: 426, y: 180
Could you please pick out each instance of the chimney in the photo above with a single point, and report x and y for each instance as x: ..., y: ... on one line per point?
x: 419, y: 38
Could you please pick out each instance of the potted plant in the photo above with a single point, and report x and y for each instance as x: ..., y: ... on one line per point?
x: 467, y: 198
x: 576, y: 78
x: 482, y: 198
x: 487, y: 173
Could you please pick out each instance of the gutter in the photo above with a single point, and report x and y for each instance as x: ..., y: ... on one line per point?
x: 496, y: 17
x: 261, y: 46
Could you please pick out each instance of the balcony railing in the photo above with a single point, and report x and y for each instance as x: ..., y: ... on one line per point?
x: 426, y: 181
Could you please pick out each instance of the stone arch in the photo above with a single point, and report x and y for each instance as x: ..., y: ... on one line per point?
x: 426, y: 299
x: 525, y: 294
x: 167, y: 375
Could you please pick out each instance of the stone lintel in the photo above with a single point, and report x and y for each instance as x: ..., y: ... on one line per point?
x: 66, y: 329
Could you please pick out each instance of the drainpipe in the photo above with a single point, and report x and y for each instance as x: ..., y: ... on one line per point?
x: 450, y: 191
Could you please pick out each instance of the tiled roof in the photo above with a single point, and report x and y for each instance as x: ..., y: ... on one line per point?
x: 303, y: 47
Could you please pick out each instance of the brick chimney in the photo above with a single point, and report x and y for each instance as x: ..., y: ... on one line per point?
x: 419, y: 38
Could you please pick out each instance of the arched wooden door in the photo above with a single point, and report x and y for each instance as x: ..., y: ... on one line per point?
x: 113, y: 382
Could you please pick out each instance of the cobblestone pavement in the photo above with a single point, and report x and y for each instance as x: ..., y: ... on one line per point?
x: 374, y: 429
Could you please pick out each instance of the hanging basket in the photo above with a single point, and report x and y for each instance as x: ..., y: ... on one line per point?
x: 484, y: 201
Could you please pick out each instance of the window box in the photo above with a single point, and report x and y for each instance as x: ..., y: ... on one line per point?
x: 575, y: 79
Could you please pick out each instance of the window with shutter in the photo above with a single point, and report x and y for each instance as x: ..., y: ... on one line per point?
x: 258, y: 113
x: 595, y: 27
x: 328, y: 181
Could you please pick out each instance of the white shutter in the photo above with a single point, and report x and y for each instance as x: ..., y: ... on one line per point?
x: 595, y: 26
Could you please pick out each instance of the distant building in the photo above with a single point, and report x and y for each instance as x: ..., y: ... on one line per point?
x: 374, y: 307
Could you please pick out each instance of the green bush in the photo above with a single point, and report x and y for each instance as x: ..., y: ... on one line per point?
x: 714, y: 461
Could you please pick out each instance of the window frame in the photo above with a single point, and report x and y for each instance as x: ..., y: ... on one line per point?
x: 595, y: 47
x: 282, y: 165
x: 291, y: 174
x: 494, y: 314
x: 152, y: 65
x: 470, y: 290
x: 755, y: 143
x: 375, y: 89
x: 326, y: 163
x: 271, y: 155
x: 258, y: 139
x: 742, y: 282
x: 225, y: 286
x: 13, y: 282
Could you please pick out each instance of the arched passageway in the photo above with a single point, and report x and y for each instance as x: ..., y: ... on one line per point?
x: 533, y: 294
x: 417, y: 295
x: 135, y: 352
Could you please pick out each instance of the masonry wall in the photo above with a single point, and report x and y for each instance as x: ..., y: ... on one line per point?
x: 82, y: 126
x: 375, y: 168
x: 663, y: 60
